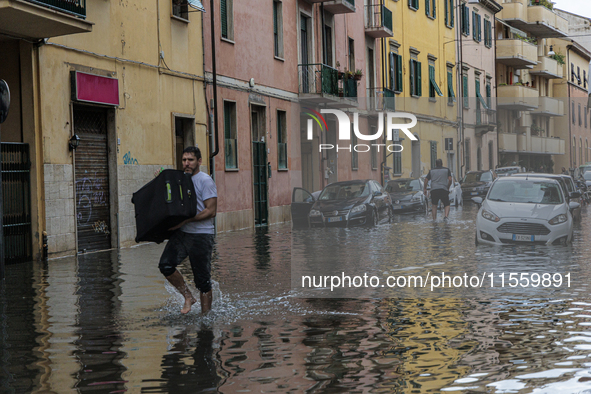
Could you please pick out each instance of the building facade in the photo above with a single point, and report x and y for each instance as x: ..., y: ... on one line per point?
x: 103, y: 111
x: 526, y: 75
x: 476, y: 55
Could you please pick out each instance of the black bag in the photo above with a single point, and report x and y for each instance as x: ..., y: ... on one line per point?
x: 164, y: 202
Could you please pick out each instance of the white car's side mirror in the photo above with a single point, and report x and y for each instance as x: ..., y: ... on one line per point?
x: 573, y: 205
x: 477, y: 200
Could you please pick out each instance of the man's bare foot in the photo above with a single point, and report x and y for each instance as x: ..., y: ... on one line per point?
x: 188, y: 305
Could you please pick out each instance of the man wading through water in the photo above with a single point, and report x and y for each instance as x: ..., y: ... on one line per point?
x: 441, y: 180
x: 194, y: 237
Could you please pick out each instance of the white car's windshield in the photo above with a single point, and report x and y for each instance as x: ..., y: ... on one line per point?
x: 344, y: 192
x: 404, y: 185
x: 587, y: 176
x: 533, y: 192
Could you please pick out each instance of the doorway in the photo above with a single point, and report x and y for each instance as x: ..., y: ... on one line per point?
x: 260, y: 165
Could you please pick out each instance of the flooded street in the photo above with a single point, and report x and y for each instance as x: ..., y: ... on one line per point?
x: 107, y: 322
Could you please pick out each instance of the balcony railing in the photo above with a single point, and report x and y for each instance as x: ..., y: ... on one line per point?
x: 378, y: 21
x: 486, y: 118
x: 318, y: 78
x: 350, y: 89
x: 74, y: 7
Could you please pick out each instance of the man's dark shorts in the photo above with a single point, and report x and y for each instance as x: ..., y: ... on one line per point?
x: 440, y: 194
x: 198, y: 247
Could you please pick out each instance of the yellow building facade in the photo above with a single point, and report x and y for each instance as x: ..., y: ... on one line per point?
x: 420, y: 60
x: 126, y: 87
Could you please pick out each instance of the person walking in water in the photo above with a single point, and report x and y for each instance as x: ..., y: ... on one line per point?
x: 193, y: 237
x: 441, y: 180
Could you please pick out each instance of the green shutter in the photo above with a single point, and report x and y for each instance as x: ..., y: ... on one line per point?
x: 474, y: 31
x: 450, y: 86
x: 227, y: 129
x: 479, y: 21
x: 427, y: 8
x: 465, y: 92
x: 434, y: 8
x: 224, y: 17
x: 412, y: 77
x: 392, y: 72
x: 467, y: 19
x: 446, y: 13
x: 451, y: 12
x: 488, y: 94
x: 275, y: 17
x: 398, y: 73
x: 419, y: 81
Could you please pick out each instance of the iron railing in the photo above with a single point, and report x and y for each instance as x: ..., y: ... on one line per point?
x: 318, y: 78
x: 16, y: 202
x: 486, y: 117
x: 378, y: 16
x: 350, y: 89
x: 74, y: 7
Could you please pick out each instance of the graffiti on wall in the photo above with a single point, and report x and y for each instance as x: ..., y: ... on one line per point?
x: 90, y: 192
x: 128, y: 159
x: 101, y: 227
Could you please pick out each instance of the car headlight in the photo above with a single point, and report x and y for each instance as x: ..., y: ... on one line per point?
x: 490, y: 216
x: 315, y: 212
x: 359, y: 208
x: 558, y: 219
x: 480, y: 188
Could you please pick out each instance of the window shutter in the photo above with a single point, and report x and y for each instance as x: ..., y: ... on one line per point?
x: 399, y: 73
x: 467, y: 16
x: 427, y: 11
x: 419, y: 82
x: 451, y: 12
x: 392, y: 76
x: 412, y: 77
x: 479, y: 20
x: 224, y: 18
x: 465, y: 90
x: 446, y: 12
x: 275, y: 17
x: 434, y: 8
x: 474, y: 31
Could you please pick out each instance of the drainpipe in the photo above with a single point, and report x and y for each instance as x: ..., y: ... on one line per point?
x: 322, y: 30
x: 570, y: 121
x: 215, y: 93
x: 460, y: 157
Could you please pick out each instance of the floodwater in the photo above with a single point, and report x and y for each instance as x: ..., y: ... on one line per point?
x: 108, y: 323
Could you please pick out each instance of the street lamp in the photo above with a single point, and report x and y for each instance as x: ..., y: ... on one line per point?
x: 74, y: 142
x: 551, y: 51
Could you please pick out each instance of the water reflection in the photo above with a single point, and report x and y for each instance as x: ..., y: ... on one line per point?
x: 108, y: 323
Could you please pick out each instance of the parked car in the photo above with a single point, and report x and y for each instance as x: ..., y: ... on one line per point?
x: 407, y: 195
x: 567, y: 185
x: 584, y: 168
x: 477, y: 183
x: 346, y: 203
x: 524, y: 210
x: 505, y: 171
x: 587, y: 178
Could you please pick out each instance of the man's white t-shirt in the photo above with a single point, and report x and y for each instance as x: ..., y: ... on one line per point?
x: 204, y: 190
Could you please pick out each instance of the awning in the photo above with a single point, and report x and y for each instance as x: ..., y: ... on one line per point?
x: 196, y: 4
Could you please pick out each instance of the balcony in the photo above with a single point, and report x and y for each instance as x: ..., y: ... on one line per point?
x: 318, y: 83
x: 536, y: 20
x: 547, y: 68
x: 517, y: 98
x: 380, y: 99
x: 521, y: 143
x: 549, y: 106
x: 378, y: 21
x: 348, y: 92
x: 517, y: 53
x: 340, y: 6
x: 486, y: 120
x: 43, y: 19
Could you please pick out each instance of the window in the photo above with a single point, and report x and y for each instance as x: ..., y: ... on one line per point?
x: 465, y: 22
x: 578, y: 75
x: 487, y: 33
x: 433, y: 153
x: 585, y: 79
x: 585, y: 116
x: 572, y: 73
x: 226, y: 15
x: 574, y: 151
x: 433, y: 88
x: 395, y: 72
x: 351, y: 54
x: 415, y: 78
x: 413, y: 4
x: 450, y: 87
x: 374, y: 152
x: 230, y: 138
x: 586, y: 151
x: 467, y: 153
x: 278, y: 28
x: 581, y: 150
x: 465, y: 92
x: 580, y: 120
x: 328, y: 52
x: 479, y: 99
x: 397, y: 163
x: 430, y: 8
x: 449, y: 13
x: 476, y: 28
x: 354, y: 154
x: 180, y: 9
x: 488, y: 92
x: 573, y: 113
x: 281, y: 140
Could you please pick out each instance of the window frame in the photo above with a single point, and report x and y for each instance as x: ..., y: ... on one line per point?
x: 278, y: 50
x: 465, y: 22
x: 433, y: 87
x: 282, y: 140
x: 233, y: 131
x: 227, y: 9
x: 396, y: 81
x: 450, y: 87
x: 415, y: 75
x: 449, y: 13
x: 431, y: 9
x: 413, y: 5
x: 183, y: 14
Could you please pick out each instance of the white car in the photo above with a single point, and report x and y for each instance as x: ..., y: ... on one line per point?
x: 455, y: 192
x: 524, y: 210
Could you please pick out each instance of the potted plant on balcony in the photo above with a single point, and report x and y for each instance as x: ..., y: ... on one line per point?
x: 357, y: 75
x: 559, y: 57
